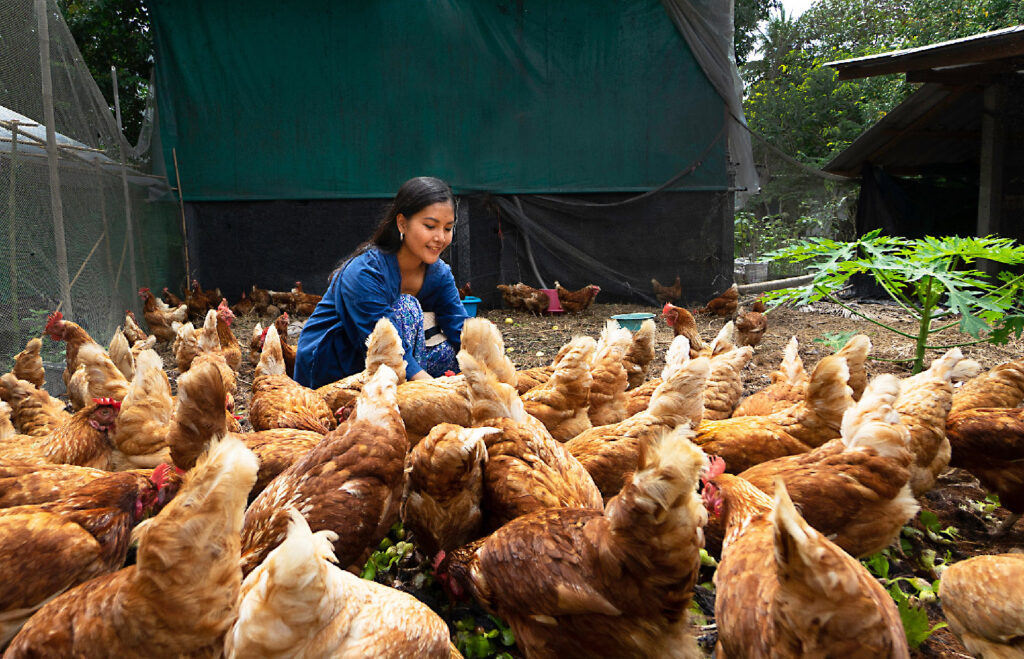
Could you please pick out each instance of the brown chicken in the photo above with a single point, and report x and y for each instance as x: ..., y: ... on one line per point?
x: 104, y: 379
x: 81, y: 440
x: 140, y: 435
x: 923, y: 406
x: 131, y: 329
x: 788, y: 387
x: 667, y: 294
x: 812, y: 598
x: 444, y: 487
x: 527, y: 469
x: 639, y: 399
x: 724, y: 305
x: 121, y: 355
x: 524, y: 298
x: 211, y: 351
x: 528, y: 378
x: 198, y: 415
x: 749, y: 440
x: 426, y: 403
x: 28, y: 483
x: 50, y: 547
x: 576, y: 301
x: 640, y: 354
x: 607, y: 401
x: 604, y: 583
x: 185, y: 346
x: 303, y: 303
x: 725, y: 383
x: 465, y: 291
x: 34, y: 412
x: 243, y: 307
x: 1002, y: 386
x: 750, y: 328
x: 288, y: 351
x: 182, y: 594
x: 199, y: 301
x: 277, y: 449
x: 351, y: 483
x: 170, y: 298
x: 683, y: 323
x: 160, y: 316
x: 6, y: 425
x: 610, y: 453
x: 260, y: 299
x: 561, y: 403
x: 297, y: 603
x: 383, y: 346
x: 983, y: 603
x: 854, y: 490
x: 280, y: 402
x: 228, y: 343
x: 28, y: 364
x: 989, y: 443
x: 72, y: 334
x: 758, y: 305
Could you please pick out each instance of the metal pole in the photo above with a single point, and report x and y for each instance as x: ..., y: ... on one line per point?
x: 124, y: 182
x: 51, y: 152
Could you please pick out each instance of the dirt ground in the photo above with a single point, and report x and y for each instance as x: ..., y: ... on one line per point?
x: 957, y: 503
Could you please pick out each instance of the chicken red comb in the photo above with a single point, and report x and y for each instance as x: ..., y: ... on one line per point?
x: 716, y: 467
x: 53, y: 325
x: 238, y: 417
x: 116, y: 404
x: 160, y: 472
x: 263, y: 336
x: 665, y: 309
x: 449, y: 373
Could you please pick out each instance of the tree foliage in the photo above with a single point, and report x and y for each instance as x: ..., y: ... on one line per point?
x: 802, y: 107
x: 115, y: 32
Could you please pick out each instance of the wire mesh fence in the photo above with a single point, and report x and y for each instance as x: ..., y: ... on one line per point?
x: 82, y: 223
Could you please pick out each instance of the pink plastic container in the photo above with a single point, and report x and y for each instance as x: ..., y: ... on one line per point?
x: 553, y: 305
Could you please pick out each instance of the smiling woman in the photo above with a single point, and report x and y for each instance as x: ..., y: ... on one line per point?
x: 399, y: 275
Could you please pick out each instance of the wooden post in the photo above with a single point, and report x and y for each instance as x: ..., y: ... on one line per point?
x: 12, y: 230
x: 56, y: 205
x: 124, y: 182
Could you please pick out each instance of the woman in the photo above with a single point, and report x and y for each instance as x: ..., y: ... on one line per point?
x: 397, y: 275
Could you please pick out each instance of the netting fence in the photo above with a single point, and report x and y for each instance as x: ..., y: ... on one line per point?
x: 82, y: 222
x: 795, y: 201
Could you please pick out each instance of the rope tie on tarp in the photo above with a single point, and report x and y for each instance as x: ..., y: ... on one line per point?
x: 691, y: 168
x: 514, y: 213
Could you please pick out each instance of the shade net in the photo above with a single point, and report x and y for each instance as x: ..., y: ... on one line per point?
x: 97, y: 281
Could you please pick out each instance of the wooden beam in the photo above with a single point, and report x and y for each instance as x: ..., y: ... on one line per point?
x: 990, y: 179
x: 976, y: 75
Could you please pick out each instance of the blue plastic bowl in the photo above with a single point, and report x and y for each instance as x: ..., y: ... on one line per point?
x: 469, y: 303
x: 631, y: 321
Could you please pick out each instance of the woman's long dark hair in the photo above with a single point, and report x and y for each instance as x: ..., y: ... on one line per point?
x: 414, y: 195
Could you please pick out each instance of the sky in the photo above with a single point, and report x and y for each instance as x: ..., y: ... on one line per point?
x: 796, y: 7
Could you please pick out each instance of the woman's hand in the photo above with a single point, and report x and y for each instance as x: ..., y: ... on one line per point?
x: 422, y: 375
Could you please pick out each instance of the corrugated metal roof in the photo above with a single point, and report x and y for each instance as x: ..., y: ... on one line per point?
x: 987, y: 46
x: 936, y: 125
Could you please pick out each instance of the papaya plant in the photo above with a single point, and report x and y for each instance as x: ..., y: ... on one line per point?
x: 922, y: 276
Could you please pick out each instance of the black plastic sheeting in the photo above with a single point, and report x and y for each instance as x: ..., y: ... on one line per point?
x: 617, y: 241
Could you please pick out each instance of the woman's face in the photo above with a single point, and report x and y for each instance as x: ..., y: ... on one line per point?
x: 428, y: 232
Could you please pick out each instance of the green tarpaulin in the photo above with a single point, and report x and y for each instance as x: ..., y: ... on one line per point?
x: 320, y: 99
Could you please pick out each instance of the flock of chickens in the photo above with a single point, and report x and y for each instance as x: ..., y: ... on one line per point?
x: 572, y: 500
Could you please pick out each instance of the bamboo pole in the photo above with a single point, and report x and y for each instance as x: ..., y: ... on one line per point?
x: 181, y: 204
x: 124, y: 183
x: 51, y: 149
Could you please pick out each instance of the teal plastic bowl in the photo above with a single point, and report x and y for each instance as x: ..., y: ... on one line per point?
x: 631, y: 321
x: 469, y: 303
